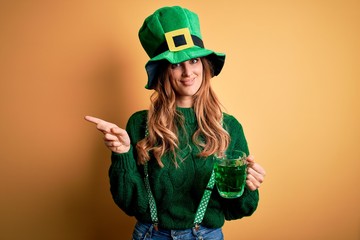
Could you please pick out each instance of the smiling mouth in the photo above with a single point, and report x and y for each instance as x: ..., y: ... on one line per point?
x: 188, y: 82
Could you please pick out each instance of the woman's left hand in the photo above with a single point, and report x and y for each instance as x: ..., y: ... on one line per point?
x: 255, y: 174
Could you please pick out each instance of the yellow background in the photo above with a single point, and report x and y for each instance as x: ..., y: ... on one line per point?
x: 291, y: 78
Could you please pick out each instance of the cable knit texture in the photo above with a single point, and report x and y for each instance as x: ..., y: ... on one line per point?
x: 177, y: 191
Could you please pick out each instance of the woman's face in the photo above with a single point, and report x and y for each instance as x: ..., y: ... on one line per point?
x: 186, y: 78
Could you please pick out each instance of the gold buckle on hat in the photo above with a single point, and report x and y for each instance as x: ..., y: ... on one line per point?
x: 184, y: 34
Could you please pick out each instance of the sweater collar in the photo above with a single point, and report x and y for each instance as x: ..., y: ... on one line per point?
x: 188, y: 113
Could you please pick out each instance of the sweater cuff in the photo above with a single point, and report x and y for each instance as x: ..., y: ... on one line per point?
x: 125, y: 161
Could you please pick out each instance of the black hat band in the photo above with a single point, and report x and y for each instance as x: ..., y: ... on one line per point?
x: 179, y: 41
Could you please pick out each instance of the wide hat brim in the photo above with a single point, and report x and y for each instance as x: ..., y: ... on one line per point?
x: 152, y: 66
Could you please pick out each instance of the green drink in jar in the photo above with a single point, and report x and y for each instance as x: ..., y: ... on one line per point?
x: 230, y: 174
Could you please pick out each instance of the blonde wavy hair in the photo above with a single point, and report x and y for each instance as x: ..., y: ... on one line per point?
x: 163, y: 120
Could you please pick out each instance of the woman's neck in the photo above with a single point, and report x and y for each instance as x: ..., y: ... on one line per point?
x: 185, y: 102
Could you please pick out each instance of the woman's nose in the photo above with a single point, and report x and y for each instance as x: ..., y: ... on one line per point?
x: 186, y: 69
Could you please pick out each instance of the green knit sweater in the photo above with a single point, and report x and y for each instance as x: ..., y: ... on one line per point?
x: 177, y: 191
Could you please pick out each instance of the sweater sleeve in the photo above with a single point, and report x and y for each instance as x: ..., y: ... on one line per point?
x: 246, y: 204
x: 126, y: 182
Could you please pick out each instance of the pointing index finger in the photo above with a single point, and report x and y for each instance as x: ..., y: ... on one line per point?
x: 93, y: 119
x: 101, y: 125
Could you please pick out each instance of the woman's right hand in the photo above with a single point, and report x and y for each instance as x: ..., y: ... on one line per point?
x: 115, y: 138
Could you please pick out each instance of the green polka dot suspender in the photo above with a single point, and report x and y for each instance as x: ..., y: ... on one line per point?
x: 153, y: 210
x: 200, y: 212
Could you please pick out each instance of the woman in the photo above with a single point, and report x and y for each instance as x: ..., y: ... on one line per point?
x: 162, y: 163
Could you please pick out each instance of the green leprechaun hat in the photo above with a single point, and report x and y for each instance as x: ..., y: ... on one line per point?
x: 173, y: 34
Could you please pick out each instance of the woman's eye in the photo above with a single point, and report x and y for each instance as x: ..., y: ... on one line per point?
x: 194, y: 60
x: 175, y: 65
